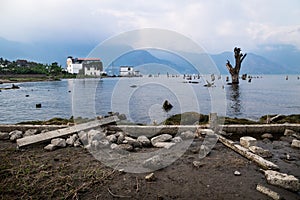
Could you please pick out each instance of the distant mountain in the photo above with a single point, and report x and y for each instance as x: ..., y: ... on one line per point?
x: 268, y: 59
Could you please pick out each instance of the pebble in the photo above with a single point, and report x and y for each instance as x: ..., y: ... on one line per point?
x: 237, y: 173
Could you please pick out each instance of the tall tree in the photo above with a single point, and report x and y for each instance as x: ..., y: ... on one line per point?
x: 234, y: 71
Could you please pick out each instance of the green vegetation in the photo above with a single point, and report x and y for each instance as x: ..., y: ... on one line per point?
x: 58, y: 121
x: 34, y: 71
x: 187, y: 118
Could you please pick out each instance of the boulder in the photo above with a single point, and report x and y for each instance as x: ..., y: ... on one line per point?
x: 187, y: 135
x: 132, y: 142
x: 59, y: 142
x: 289, y: 132
x: 121, y: 137
x: 14, y: 135
x: 71, y: 140
x: 144, y: 141
x: 4, y: 136
x: 176, y: 139
x: 267, y: 136
x: 260, y: 151
x: 30, y: 132
x: 161, y: 138
x: 166, y: 145
x: 283, y: 180
x: 95, y: 135
x: 77, y: 143
x: 295, y: 143
x: 111, y: 138
x: 83, y: 137
x: 50, y: 147
x: 248, y: 141
x: 154, y: 162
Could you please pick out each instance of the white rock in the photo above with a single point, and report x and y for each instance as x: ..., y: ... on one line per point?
x: 237, y: 173
x: 71, y: 140
x: 144, y: 140
x: 114, y: 146
x: 176, y: 139
x: 95, y: 135
x: 206, y: 131
x: 248, y: 141
x: 14, y: 135
x: 161, y: 138
x: 260, y: 151
x: 295, y: 143
x: 4, y: 136
x: 283, y: 180
x: 30, y: 132
x: 59, y: 142
x: 267, y: 135
x: 111, y: 138
x: 50, y: 147
x: 133, y: 142
x: 83, y: 137
x: 166, y: 145
x: 77, y: 143
x: 121, y: 137
x: 187, y: 135
x: 289, y: 132
x: 150, y: 177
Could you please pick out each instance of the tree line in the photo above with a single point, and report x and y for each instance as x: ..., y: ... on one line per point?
x: 29, y: 67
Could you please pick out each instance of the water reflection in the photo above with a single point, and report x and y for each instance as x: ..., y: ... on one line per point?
x: 235, y: 100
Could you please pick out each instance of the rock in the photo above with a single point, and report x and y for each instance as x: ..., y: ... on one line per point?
x: 150, y: 177
x: 50, y: 147
x: 197, y: 164
x: 111, y: 138
x: 237, y: 173
x: 161, y: 138
x: 14, y: 135
x: 114, y: 146
x: 267, y: 136
x: 59, y: 142
x: 260, y: 151
x: 4, y: 136
x: 289, y: 132
x: 144, y: 141
x: 283, y: 180
x: 95, y: 135
x: 122, y: 117
x: 295, y: 143
x: 133, y: 142
x: 30, y: 132
x: 126, y: 147
x: 77, y: 143
x: 206, y: 132
x: 176, y: 139
x: 187, y: 135
x: 71, y: 140
x: 166, y: 145
x: 121, y: 137
x: 83, y: 137
x: 154, y: 162
x: 247, y: 141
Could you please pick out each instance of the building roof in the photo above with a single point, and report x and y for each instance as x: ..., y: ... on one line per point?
x: 88, y: 59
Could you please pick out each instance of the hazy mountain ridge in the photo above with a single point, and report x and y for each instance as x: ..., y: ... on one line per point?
x: 274, y: 59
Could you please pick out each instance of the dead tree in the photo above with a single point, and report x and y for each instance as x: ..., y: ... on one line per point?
x: 239, y: 57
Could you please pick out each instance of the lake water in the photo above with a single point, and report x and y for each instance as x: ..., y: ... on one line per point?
x: 141, y: 99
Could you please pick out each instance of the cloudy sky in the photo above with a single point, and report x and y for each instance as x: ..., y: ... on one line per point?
x: 217, y: 25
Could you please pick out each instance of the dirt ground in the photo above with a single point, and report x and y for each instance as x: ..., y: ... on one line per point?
x: 73, y: 173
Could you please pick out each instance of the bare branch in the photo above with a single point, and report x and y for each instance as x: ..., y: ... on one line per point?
x: 243, y: 57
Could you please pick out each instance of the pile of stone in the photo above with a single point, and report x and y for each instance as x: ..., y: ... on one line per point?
x: 96, y: 139
x: 16, y: 134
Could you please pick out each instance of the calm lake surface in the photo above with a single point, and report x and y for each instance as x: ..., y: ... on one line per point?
x: 141, y: 99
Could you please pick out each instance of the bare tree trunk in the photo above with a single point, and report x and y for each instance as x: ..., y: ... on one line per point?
x: 234, y: 72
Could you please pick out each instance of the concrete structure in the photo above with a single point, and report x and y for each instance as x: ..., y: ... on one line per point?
x: 128, y: 71
x: 85, y: 66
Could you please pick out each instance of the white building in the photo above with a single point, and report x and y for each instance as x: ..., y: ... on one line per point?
x: 84, y: 66
x: 128, y: 71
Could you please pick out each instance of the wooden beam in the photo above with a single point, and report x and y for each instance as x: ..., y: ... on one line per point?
x: 265, y: 164
x: 64, y: 132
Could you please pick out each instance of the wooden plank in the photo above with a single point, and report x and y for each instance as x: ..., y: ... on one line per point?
x: 265, y: 164
x: 64, y: 132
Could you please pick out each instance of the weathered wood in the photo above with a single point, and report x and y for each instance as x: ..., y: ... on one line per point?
x: 268, y: 192
x: 265, y: 164
x: 64, y: 132
x: 234, y: 71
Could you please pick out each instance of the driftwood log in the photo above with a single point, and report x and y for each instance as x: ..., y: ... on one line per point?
x: 64, y: 132
x: 263, y: 163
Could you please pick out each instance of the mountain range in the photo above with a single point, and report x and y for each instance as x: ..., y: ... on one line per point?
x: 271, y: 59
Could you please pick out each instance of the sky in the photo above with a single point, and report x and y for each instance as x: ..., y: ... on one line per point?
x: 216, y: 25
